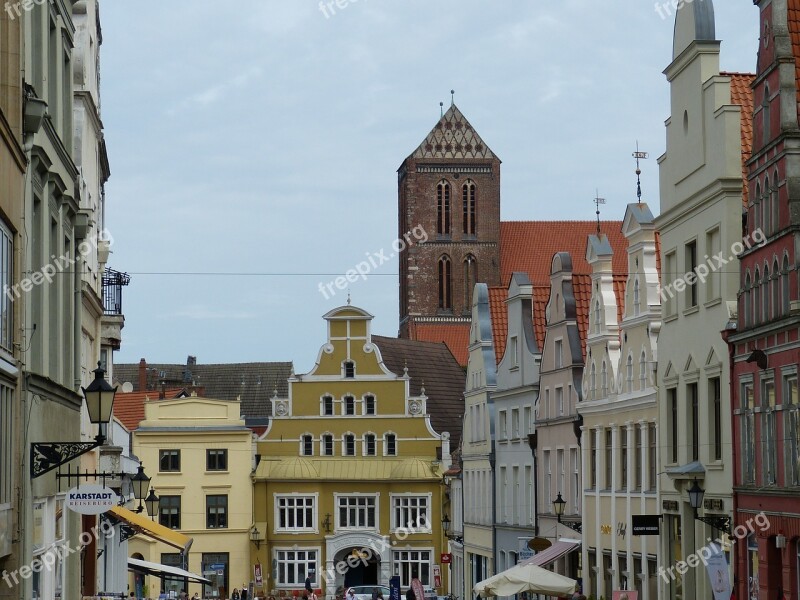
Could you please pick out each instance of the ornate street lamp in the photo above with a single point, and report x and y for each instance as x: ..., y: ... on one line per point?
x: 45, y: 457
x: 445, y: 524
x: 140, y: 483
x: 696, y: 501
x: 153, y: 503
x: 559, y: 505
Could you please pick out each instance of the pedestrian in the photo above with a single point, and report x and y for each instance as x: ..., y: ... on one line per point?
x: 308, y: 585
x: 235, y: 595
x: 380, y: 595
x: 351, y: 594
x: 410, y: 594
x: 196, y: 596
x: 244, y: 591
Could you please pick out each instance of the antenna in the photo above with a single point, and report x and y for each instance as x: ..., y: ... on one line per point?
x: 598, y: 201
x: 644, y: 156
x: 452, y: 97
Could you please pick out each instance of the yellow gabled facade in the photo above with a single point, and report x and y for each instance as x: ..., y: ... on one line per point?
x: 348, y: 487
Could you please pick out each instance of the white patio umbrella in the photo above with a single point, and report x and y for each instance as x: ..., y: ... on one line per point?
x: 526, y: 578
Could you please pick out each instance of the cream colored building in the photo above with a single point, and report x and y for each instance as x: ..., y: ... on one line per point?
x: 200, y: 456
x: 620, y: 413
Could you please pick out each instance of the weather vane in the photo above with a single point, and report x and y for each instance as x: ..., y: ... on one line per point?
x: 639, y: 155
x: 598, y: 201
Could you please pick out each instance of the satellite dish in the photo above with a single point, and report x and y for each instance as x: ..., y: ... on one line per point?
x: 127, y: 387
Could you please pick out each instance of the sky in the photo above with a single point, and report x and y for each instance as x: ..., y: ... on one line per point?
x: 254, y: 144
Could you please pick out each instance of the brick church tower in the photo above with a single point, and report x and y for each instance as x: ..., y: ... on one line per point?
x: 450, y: 186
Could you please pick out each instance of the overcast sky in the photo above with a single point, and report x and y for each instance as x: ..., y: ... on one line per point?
x: 254, y: 144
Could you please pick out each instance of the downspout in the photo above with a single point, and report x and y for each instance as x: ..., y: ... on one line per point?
x: 492, y: 460
x: 736, y: 552
x: 532, y: 442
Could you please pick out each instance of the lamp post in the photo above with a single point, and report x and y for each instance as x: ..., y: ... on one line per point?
x: 559, y: 504
x: 696, y: 501
x: 44, y: 457
x: 153, y: 503
x: 256, y: 537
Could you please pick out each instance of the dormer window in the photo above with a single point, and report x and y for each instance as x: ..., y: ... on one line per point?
x: 349, y: 369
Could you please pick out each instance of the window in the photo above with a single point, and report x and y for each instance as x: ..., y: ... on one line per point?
x: 558, y: 354
x: 171, y: 583
x: 502, y: 425
x: 513, y: 348
x: 765, y: 115
x: 369, y: 405
x: 609, y: 459
x: 307, y: 445
x: 327, y: 406
x: 468, y: 193
x: 776, y: 290
x: 713, y: 248
x: 576, y: 479
x: 169, y: 511
x: 672, y: 407
x: 390, y: 444
x: 597, y: 321
x: 548, y: 487
x: 349, y: 405
x: 769, y: 442
x: 295, y: 513
x: 636, y: 301
x: 785, y: 286
x: 714, y: 392
x: 216, y: 459
x: 369, y: 444
x: 410, y: 512
x: 604, y: 380
x: 562, y: 487
x: 357, y: 512
x: 560, y: 401
x: 349, y: 369
x: 216, y: 512
x: 6, y: 275
x: 691, y: 278
x: 623, y: 458
x: 527, y: 426
x: 326, y: 444
x: 169, y: 460
x: 217, y: 567
x: 652, y: 458
x: 757, y: 298
x: 775, y: 203
x: 642, y: 371
x: 349, y: 445
x: 7, y: 444
x: 470, y: 277
x: 407, y: 563
x: 667, y: 293
x: 629, y: 374
x: 694, y: 408
x: 445, y: 302
x: 592, y: 441
x: 293, y: 566
x: 515, y: 423
x: 747, y: 419
x: 746, y: 301
x: 443, y: 208
x: 765, y: 300
x: 791, y: 429
x: 638, y: 457
x: 593, y: 381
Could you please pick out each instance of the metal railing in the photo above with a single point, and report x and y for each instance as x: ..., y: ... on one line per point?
x: 113, y: 282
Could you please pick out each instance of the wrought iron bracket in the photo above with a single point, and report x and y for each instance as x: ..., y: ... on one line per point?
x: 48, y: 456
x: 574, y: 525
x: 721, y: 523
x: 456, y: 538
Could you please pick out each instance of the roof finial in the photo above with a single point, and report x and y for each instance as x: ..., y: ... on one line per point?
x: 441, y: 109
x: 639, y: 155
x: 348, y: 296
x: 452, y: 97
x: 598, y: 201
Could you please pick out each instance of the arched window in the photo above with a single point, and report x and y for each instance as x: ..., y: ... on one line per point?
x: 468, y: 193
x: 765, y: 303
x: 757, y: 208
x: 636, y: 304
x: 445, y: 284
x: 443, y: 208
x: 326, y: 444
x: 597, y: 321
x: 470, y: 277
x: 307, y: 445
x: 775, y: 284
x: 629, y: 374
x: 746, y: 304
x: 766, y: 209
x: 756, y: 298
x: 390, y: 444
x: 348, y: 444
x: 643, y: 371
x: 765, y: 114
x: 604, y: 380
x: 369, y: 444
x: 593, y: 381
x: 785, y: 285
x: 776, y: 204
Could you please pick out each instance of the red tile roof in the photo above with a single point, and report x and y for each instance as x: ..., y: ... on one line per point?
x: 794, y: 32
x: 742, y: 95
x: 454, y: 335
x: 529, y: 246
x: 499, y: 312
x: 129, y: 407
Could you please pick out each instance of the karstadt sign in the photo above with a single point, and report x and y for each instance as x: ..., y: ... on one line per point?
x: 90, y: 499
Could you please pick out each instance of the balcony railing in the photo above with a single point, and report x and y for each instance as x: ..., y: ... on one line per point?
x: 113, y: 282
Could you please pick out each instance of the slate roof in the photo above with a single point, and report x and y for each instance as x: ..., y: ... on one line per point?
x: 253, y: 383
x: 129, y: 407
x: 742, y: 94
x: 444, y: 379
x: 453, y: 137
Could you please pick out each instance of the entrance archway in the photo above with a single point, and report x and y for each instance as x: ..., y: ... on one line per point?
x: 364, y: 568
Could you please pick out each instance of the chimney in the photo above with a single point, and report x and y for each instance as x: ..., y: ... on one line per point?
x: 191, y: 361
x: 163, y: 392
x: 446, y: 459
x: 142, y: 375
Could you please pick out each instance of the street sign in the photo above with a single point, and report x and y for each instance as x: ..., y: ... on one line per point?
x: 538, y: 544
x: 437, y: 576
x: 645, y: 524
x: 447, y: 558
x: 258, y: 575
x: 91, y: 499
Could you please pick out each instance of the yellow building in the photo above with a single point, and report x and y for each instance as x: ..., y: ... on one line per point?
x: 200, y: 456
x: 348, y: 484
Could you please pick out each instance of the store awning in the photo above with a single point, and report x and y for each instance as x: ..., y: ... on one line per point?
x: 161, y: 571
x: 145, y: 526
x: 553, y: 553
